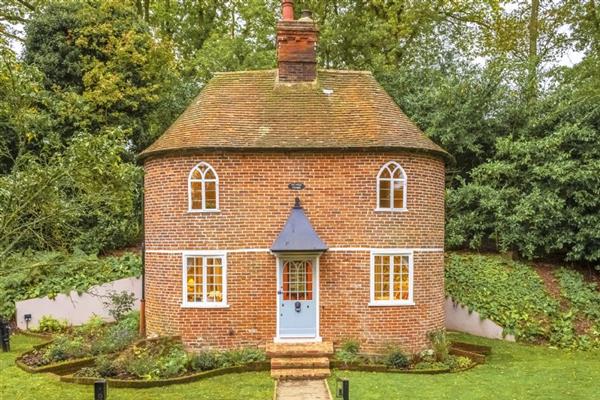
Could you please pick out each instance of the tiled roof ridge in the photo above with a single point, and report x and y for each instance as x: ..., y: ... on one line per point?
x: 273, y: 70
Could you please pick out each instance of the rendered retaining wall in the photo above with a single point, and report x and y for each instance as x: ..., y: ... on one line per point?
x: 458, y: 318
x: 74, y: 308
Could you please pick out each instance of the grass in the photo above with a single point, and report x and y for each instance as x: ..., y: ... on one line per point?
x: 513, y: 371
x: 17, y: 384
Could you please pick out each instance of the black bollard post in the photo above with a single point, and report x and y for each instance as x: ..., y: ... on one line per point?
x: 100, y: 390
x: 5, y: 335
x: 345, y: 389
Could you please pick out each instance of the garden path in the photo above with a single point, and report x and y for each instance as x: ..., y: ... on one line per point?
x: 302, y: 390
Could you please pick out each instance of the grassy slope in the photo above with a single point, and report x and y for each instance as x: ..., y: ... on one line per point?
x: 17, y: 384
x: 513, y: 371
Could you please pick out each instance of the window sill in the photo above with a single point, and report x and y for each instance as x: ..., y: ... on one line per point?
x: 203, y: 305
x: 391, y: 303
x: 204, y: 211
x: 391, y: 210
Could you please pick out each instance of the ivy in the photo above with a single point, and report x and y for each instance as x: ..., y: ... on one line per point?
x: 31, y: 275
x: 513, y: 295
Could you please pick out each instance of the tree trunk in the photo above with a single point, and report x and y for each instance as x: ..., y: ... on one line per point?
x: 532, y: 53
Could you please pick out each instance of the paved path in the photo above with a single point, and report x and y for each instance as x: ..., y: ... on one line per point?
x: 302, y: 390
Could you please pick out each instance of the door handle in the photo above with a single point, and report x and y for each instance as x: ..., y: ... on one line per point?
x: 298, y: 306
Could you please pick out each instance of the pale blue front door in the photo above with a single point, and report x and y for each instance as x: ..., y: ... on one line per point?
x: 297, y: 298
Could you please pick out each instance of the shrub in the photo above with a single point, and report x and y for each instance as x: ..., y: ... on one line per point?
x: 49, y: 324
x: 92, y: 329
x: 395, y: 358
x: 105, y: 366
x: 351, y: 346
x: 119, y: 304
x: 64, y: 348
x: 117, y: 337
x: 205, y: 360
x: 242, y: 356
x: 456, y: 363
x: 153, y: 360
x: 440, y: 343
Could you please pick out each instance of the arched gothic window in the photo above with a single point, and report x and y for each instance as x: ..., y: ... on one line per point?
x: 391, y: 188
x: 203, y: 188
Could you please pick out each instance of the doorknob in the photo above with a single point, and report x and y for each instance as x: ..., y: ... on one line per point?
x: 298, y: 306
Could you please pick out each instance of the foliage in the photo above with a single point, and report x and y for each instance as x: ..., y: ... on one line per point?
x: 241, y: 356
x: 118, y: 336
x: 440, y: 344
x: 348, y: 353
x: 430, y: 365
x: 161, y: 358
x: 457, y: 363
x: 94, y: 337
x: 394, y: 357
x: 119, y: 304
x: 204, y: 360
x: 18, y: 384
x: 540, y: 192
x: 30, y: 275
x: 511, y: 294
x: 48, y: 324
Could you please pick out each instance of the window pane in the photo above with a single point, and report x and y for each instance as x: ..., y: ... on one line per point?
x: 384, y: 194
x: 196, y: 195
x: 210, y: 174
x: 385, y: 173
x: 196, y: 174
x: 398, y: 194
x: 211, y: 195
x: 397, y: 173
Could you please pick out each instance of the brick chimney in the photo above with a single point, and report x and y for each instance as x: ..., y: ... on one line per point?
x: 296, y: 46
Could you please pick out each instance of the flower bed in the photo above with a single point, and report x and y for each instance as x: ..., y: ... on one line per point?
x: 190, y: 377
x: 443, y: 357
x: 77, y: 346
x: 164, y: 359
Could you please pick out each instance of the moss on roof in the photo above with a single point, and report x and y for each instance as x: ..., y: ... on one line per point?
x: 250, y: 110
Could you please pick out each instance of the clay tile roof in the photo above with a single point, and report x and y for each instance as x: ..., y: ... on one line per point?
x: 249, y: 110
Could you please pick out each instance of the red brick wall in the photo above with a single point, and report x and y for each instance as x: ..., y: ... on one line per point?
x: 339, y: 199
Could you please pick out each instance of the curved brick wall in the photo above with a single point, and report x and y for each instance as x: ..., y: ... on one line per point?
x: 339, y: 199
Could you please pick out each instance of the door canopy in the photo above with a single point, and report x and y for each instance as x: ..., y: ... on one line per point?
x: 298, y: 234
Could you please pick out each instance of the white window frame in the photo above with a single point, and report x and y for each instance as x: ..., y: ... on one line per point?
x: 392, y: 253
x: 392, y: 166
x: 203, y: 181
x: 203, y: 304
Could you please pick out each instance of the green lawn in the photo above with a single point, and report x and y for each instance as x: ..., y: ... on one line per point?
x: 17, y: 384
x: 512, y: 372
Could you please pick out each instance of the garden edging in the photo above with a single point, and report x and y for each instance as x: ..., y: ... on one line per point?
x: 138, y: 383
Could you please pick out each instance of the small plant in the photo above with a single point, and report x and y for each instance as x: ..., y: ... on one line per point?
x: 92, y: 329
x: 351, y: 346
x: 348, y: 352
x: 50, y: 324
x: 119, y: 304
x: 395, y: 358
x: 440, y: 343
x: 88, y: 372
x: 64, y: 348
x: 457, y: 363
x: 205, y: 361
x: 242, y: 356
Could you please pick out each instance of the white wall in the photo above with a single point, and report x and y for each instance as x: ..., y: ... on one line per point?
x: 458, y: 318
x: 76, y: 309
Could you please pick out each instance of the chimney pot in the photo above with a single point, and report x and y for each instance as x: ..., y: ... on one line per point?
x: 306, y: 14
x: 287, y: 10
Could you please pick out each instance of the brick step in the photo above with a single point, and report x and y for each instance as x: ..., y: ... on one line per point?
x: 299, y: 349
x: 299, y: 362
x: 304, y: 373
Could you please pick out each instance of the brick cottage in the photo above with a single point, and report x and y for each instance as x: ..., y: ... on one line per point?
x: 292, y: 205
